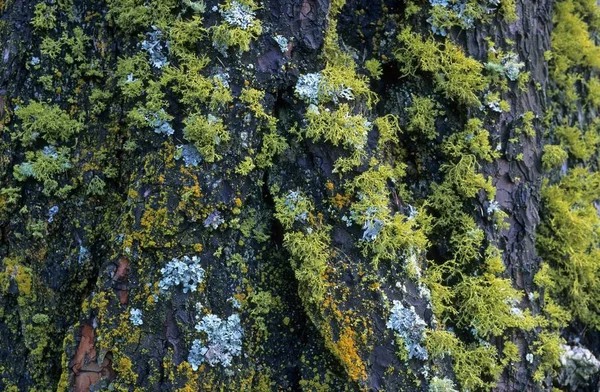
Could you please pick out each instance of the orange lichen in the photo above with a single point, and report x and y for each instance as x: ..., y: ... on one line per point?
x: 345, y: 349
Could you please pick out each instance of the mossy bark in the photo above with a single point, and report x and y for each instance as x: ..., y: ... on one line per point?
x: 84, y: 245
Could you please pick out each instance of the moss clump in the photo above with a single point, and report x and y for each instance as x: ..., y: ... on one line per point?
x: 488, y: 303
x: 273, y: 144
x: 44, y: 166
x: 554, y: 156
x: 245, y: 167
x: 49, y: 122
x: 474, y: 140
x: 8, y: 200
x: 421, y: 118
x: 134, y: 15
x: 573, y: 48
x: 340, y: 81
x: 474, y: 365
x: 309, y: 252
x: 527, y: 126
x: 132, y: 74
x: 206, y: 134
x: 254, y: 98
x: 44, y: 17
x: 188, y: 81
x: 593, y: 96
x: 459, y: 77
x: 572, y: 43
x: 185, y: 34
x: 568, y: 242
x: 579, y: 144
x: 374, y: 68
x: 548, y: 348
x: 293, y: 207
x: 389, y: 129
x: 240, y: 27
x: 386, y: 235
x: 340, y: 127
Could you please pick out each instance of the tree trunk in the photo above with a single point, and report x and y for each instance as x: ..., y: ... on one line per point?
x: 295, y: 195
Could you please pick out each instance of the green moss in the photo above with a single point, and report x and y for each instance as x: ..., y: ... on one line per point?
x: 547, y: 347
x: 465, y: 180
x: 132, y: 16
x: 44, y: 17
x: 568, y: 241
x: 342, y: 81
x: 291, y: 208
x: 494, y: 101
x: 45, y: 167
x: 50, y: 48
x: 206, y: 134
x: 527, y: 127
x: 273, y: 144
x: 400, y: 236
x: 459, y: 77
x: 96, y: 187
x: 509, y: 10
x: 580, y: 145
x: 9, y: 197
x: 254, y: 98
x: 553, y: 157
x: 185, y: 34
x: 226, y: 35
x: 309, y: 252
x: 374, y: 68
x: 339, y: 127
x: 486, y: 302
x: 474, y: 139
x: 476, y: 367
x: 572, y: 46
x: 187, y: 80
x: 421, y: 118
x: 245, y: 167
x: 221, y: 95
x: 132, y: 74
x: 49, y: 122
x: 389, y: 129
x: 593, y: 95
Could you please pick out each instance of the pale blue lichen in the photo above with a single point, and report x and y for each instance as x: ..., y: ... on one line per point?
x: 282, y: 42
x: 198, y: 7
x: 512, y: 66
x: 441, y: 385
x: 155, y: 49
x: 493, y: 102
x: 185, y: 272
x: 159, y: 122
x: 214, y: 220
x: 222, y: 341
x: 307, y: 87
x: 372, y: 225
x: 293, y: 201
x: 222, y: 78
x: 509, y: 66
x: 239, y: 14
x: 493, y: 207
x: 189, y: 153
x: 410, y: 327
x: 51, y: 212
x: 135, y: 316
